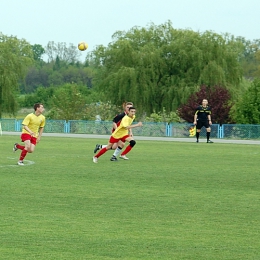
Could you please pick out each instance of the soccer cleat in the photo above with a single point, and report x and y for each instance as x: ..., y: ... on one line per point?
x: 15, y: 148
x: 123, y: 157
x: 209, y: 141
x: 113, y: 159
x: 197, y: 141
x: 98, y: 146
x: 95, y: 159
x: 20, y: 163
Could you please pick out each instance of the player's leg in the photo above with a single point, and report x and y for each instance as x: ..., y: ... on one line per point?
x: 112, y: 140
x: 101, y: 146
x: 132, y: 143
x: 31, y: 147
x: 198, y: 129
x: 121, y: 145
x: 118, y: 150
x: 18, y: 146
x: 27, y: 145
x: 103, y: 150
x: 97, y: 147
x: 115, y: 146
x: 208, y: 129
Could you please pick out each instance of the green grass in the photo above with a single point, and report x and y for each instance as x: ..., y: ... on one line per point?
x: 171, y: 200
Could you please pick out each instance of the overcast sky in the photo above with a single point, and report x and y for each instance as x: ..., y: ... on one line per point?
x: 95, y: 21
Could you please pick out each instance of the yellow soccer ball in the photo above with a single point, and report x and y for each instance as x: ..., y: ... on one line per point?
x: 82, y: 46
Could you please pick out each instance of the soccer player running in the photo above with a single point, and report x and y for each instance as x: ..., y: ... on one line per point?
x: 121, y: 134
x: 33, y: 125
x: 116, y: 122
x: 202, y: 118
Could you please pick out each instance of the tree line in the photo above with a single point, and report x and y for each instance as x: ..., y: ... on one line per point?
x: 164, y: 71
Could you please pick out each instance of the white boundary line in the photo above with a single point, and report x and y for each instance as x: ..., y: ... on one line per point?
x: 27, y: 163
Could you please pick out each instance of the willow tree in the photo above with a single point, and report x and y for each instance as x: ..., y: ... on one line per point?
x: 257, y: 72
x: 247, y: 110
x: 158, y: 67
x: 15, y: 56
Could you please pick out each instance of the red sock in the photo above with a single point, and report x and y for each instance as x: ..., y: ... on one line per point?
x: 21, y: 147
x: 127, y: 150
x: 23, y: 154
x: 102, y: 151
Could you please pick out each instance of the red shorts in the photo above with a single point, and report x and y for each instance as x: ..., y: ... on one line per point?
x: 113, y: 140
x: 26, y: 137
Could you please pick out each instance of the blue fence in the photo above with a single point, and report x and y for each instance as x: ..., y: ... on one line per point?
x: 178, y: 130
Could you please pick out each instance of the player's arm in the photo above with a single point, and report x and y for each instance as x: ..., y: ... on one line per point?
x: 117, y: 119
x: 195, y: 118
x: 26, y: 123
x: 40, y: 134
x: 130, y: 132
x: 114, y: 126
x: 28, y: 130
x: 41, y: 130
x: 209, y: 118
x: 134, y: 126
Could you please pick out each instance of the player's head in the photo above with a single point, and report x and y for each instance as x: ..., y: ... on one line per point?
x: 38, y: 106
x: 204, y: 102
x: 128, y: 105
x: 131, y: 111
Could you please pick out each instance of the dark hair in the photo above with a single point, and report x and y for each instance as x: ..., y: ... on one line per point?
x: 36, y: 105
x: 130, y: 108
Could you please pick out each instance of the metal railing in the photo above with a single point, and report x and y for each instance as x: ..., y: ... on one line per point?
x: 178, y: 130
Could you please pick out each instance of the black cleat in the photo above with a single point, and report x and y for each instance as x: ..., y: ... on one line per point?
x: 197, y: 141
x: 113, y: 159
x: 98, y: 146
x: 15, y: 147
x: 210, y: 142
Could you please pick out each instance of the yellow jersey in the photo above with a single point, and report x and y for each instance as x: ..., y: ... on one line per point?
x: 121, y: 130
x: 34, y: 123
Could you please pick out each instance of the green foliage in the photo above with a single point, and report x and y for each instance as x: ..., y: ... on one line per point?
x: 72, y: 106
x: 247, y: 110
x: 62, y: 67
x: 257, y: 55
x: 163, y: 117
x: 71, y: 102
x: 38, y: 51
x: 67, y: 103
x: 159, y: 67
x: 70, y: 98
x: 15, y: 57
x: 42, y: 95
x: 100, y: 110
x: 56, y: 74
x: 249, y: 58
x: 237, y: 92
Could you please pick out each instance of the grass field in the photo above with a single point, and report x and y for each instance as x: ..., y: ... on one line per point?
x: 171, y: 200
